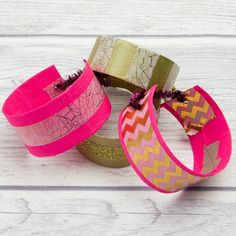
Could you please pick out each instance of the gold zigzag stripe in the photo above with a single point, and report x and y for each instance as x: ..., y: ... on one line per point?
x: 146, y: 152
x: 167, y: 176
x: 182, y: 183
x: 190, y: 179
x: 196, y: 98
x: 203, y: 120
x: 155, y: 167
x: 194, y: 111
x: 176, y: 105
x: 141, y: 136
x: 157, y: 164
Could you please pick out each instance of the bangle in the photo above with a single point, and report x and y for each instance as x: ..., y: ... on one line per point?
x: 51, y: 120
x: 149, y: 154
x: 127, y: 62
x: 124, y: 65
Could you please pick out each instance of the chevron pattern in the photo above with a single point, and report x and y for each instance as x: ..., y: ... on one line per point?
x: 196, y: 112
x: 146, y: 153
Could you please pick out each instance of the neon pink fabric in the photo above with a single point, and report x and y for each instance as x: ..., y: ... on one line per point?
x: 50, y: 121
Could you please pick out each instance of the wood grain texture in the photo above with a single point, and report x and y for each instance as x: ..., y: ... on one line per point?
x: 69, y: 195
x: 135, y: 17
x: 113, y: 213
x: 208, y: 63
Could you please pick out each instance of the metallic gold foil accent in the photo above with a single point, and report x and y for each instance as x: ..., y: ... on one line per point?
x: 103, y: 155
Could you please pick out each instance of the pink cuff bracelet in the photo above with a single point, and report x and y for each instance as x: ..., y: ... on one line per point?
x: 149, y: 154
x: 50, y: 121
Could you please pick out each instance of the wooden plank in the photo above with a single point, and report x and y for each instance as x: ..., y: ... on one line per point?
x: 208, y: 62
x: 136, y: 17
x: 113, y: 213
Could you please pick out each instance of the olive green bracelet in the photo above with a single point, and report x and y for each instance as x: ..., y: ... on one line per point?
x: 128, y: 66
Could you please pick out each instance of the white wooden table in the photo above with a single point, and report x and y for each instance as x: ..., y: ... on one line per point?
x: 69, y: 195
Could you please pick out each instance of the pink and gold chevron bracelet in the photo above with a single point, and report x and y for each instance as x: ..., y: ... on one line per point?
x: 149, y: 154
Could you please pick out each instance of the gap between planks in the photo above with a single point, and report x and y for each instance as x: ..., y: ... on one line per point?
x: 105, y: 188
x: 118, y: 35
